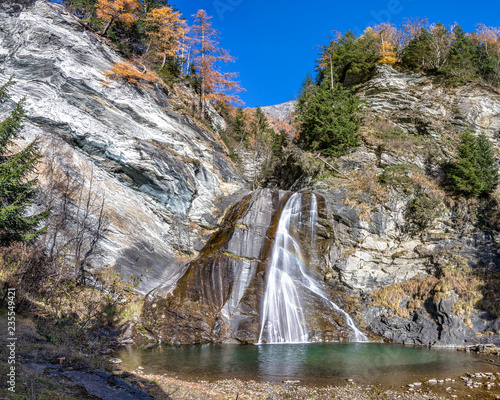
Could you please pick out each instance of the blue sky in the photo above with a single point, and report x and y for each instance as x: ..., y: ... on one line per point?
x: 277, y: 41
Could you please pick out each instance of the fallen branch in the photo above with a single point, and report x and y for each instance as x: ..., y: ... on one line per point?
x: 332, y: 167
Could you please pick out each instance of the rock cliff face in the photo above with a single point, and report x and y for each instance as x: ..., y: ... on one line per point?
x: 164, y: 180
x: 420, y: 104
x: 219, y: 297
x: 160, y: 174
x: 280, y: 111
x: 374, y: 247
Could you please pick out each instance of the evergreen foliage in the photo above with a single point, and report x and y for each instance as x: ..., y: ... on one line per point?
x: 417, y: 54
x: 421, y: 212
x: 260, y: 124
x: 474, y: 173
x: 17, y: 187
x: 487, y: 164
x: 350, y: 57
x: 460, y: 65
x: 239, y: 123
x: 328, y: 118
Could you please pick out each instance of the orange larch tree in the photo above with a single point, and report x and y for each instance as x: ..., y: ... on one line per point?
x: 389, y: 37
x: 167, y: 29
x: 125, y: 11
x: 127, y: 72
x: 489, y: 37
x: 215, y: 85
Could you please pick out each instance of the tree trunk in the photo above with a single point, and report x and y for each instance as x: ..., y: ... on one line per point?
x: 202, y: 72
x: 164, y: 60
x: 107, y: 26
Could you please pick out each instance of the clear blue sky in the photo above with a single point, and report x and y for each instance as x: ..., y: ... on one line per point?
x: 277, y: 41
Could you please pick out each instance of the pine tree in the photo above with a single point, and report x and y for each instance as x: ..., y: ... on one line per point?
x: 239, y: 123
x: 260, y: 125
x: 460, y: 65
x: 417, y: 54
x: 17, y: 187
x: 474, y: 172
x: 487, y: 164
x: 328, y: 120
x: 350, y: 58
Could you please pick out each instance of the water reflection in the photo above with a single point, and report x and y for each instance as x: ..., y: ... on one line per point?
x: 280, y: 362
x: 309, y: 363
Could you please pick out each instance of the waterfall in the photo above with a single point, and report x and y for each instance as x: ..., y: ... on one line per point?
x: 282, y: 317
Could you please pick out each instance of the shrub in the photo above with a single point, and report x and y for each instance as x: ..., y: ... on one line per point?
x: 126, y: 71
x: 422, y: 211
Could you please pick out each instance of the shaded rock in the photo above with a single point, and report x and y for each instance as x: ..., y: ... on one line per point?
x: 105, y: 386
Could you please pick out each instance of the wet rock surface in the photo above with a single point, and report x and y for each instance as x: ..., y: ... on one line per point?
x: 219, y: 297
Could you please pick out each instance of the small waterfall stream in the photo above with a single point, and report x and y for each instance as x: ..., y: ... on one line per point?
x: 282, y: 318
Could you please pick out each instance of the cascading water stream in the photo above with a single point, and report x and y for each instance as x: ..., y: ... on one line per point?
x: 283, y: 319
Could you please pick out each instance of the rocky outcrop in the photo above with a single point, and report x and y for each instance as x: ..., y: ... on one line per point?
x: 160, y: 175
x: 372, y: 246
x: 421, y: 104
x: 280, y: 111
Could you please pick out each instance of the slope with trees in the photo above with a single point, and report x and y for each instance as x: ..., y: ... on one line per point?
x: 18, y: 181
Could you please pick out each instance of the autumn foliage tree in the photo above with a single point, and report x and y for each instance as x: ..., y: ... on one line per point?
x: 215, y: 85
x: 110, y: 11
x: 167, y: 28
x: 127, y: 72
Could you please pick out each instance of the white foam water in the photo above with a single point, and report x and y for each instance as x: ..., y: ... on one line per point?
x: 282, y: 317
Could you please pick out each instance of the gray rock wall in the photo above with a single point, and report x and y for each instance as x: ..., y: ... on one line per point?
x: 161, y: 176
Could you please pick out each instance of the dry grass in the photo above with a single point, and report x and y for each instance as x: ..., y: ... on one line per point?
x: 367, y: 183
x: 384, y: 135
x: 453, y: 277
x: 66, y: 311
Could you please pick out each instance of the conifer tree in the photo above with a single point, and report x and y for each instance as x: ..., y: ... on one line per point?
x: 350, y: 56
x: 328, y: 120
x: 17, y: 186
x: 487, y: 164
x: 259, y: 124
x: 117, y: 10
x: 215, y: 85
x: 388, y: 54
x: 417, y: 54
x: 239, y: 123
x: 460, y: 66
x: 474, y: 172
x: 462, y: 173
x: 165, y: 33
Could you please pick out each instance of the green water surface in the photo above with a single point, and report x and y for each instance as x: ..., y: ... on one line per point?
x: 319, y: 364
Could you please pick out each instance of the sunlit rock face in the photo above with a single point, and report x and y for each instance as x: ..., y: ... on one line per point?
x: 161, y: 175
x: 220, y: 297
x: 421, y: 104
